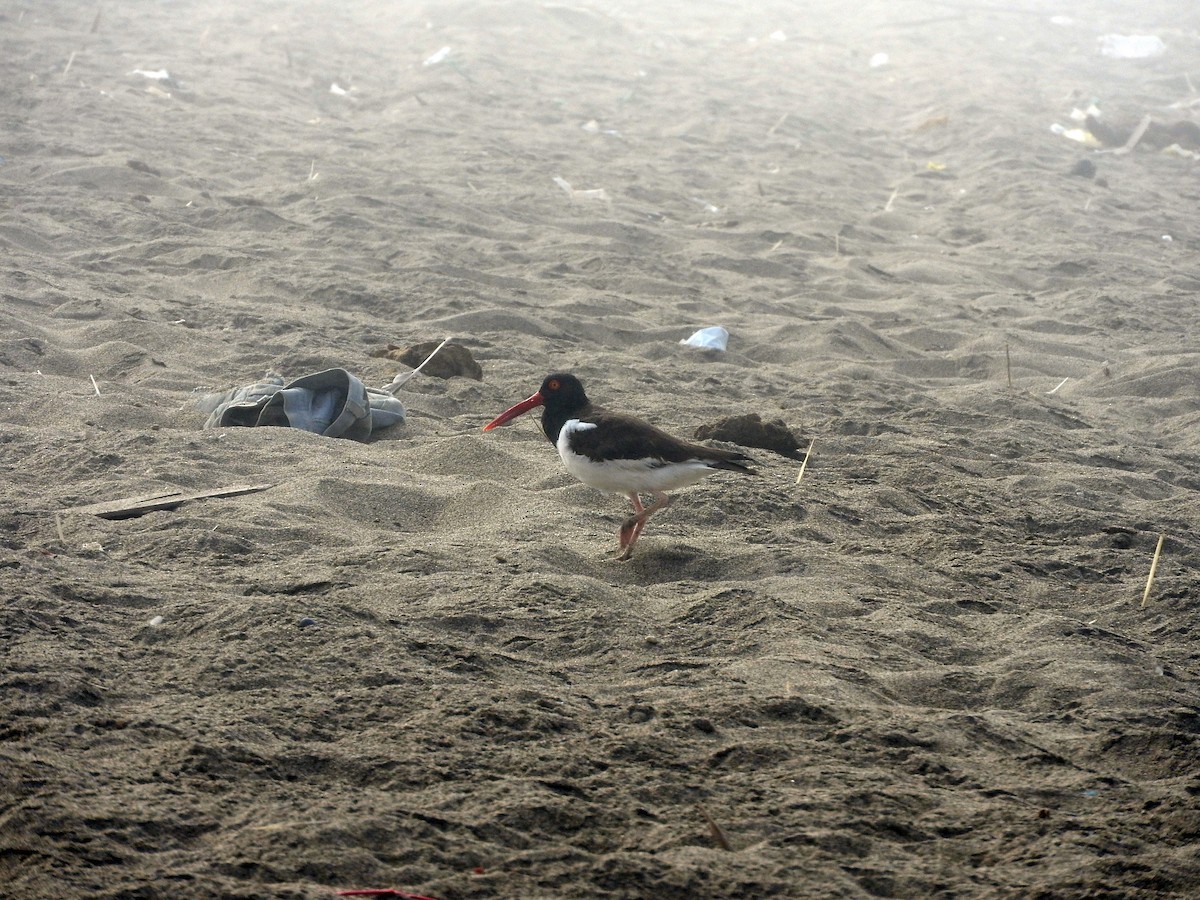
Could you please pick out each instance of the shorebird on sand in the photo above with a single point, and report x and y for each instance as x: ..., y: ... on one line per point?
x: 620, y: 453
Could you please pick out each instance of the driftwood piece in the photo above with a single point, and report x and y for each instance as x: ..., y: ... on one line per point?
x: 131, y: 507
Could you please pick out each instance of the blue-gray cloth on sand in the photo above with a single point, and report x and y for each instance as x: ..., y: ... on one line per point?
x: 332, y: 403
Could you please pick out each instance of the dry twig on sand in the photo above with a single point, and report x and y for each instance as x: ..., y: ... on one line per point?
x: 131, y: 507
x: 717, y: 834
x: 401, y: 380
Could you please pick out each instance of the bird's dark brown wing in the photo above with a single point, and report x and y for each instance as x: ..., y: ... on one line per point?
x: 618, y: 436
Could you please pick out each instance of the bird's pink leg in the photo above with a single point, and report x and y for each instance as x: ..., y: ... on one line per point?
x: 623, y: 535
x: 632, y: 529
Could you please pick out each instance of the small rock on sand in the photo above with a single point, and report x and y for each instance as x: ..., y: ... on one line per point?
x: 750, y: 430
x: 452, y: 360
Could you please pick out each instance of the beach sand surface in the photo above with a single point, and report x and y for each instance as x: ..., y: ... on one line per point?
x: 924, y: 670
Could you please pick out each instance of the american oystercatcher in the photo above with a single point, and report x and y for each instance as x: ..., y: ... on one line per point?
x: 620, y: 453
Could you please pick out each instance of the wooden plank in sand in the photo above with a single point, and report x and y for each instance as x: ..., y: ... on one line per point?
x: 131, y: 507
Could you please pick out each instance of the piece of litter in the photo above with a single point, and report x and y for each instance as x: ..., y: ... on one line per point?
x: 1079, y: 135
x: 879, y: 60
x: 307, y: 622
x: 1131, y: 46
x: 591, y: 194
x: 337, y: 89
x: 155, y: 622
x: 1179, y: 151
x: 593, y: 127
x: 95, y: 386
x: 156, y: 75
x: 1167, y: 239
x: 437, y: 57
x: 712, y: 338
x: 91, y: 547
x: 1061, y: 20
x: 777, y: 36
x: 1174, y: 150
x: 1060, y: 384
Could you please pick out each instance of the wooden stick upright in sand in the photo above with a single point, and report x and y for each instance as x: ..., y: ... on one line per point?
x: 804, y: 465
x: 718, y: 834
x: 1153, y: 569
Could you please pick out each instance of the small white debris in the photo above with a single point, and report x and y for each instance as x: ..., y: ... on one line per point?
x: 712, y: 338
x: 1131, y: 46
x: 437, y: 57
x: 574, y: 194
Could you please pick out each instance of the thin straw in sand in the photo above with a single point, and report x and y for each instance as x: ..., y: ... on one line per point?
x: 1153, y: 569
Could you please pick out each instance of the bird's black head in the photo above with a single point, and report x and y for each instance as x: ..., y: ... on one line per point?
x: 563, y: 397
x: 563, y: 392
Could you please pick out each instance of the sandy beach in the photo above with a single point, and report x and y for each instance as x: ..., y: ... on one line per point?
x: 927, y: 669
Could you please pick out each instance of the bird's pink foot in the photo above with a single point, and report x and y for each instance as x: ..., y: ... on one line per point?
x: 627, y: 536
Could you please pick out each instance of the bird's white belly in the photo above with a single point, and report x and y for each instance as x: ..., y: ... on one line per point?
x: 622, y: 476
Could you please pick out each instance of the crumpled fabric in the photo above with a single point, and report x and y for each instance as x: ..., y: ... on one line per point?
x: 332, y: 403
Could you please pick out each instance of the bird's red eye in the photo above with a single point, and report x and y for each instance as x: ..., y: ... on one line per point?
x: 553, y: 384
